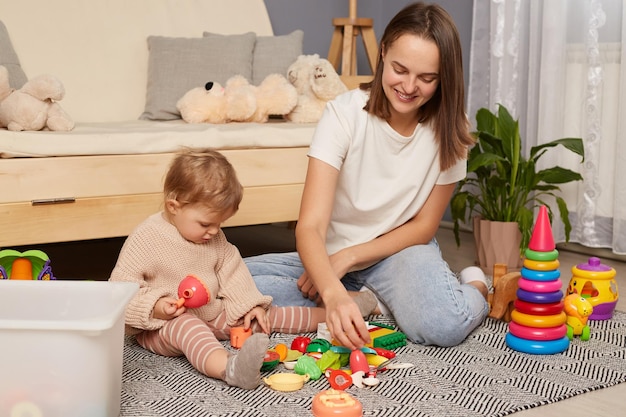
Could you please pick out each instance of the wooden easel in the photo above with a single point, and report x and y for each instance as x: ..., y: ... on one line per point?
x: 343, y: 42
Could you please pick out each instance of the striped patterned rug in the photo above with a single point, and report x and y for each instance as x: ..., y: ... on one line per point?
x: 480, y: 377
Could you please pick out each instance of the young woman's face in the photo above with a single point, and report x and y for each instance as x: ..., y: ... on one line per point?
x: 195, y: 222
x: 410, y: 74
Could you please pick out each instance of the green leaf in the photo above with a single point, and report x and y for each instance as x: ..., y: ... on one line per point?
x: 558, y: 175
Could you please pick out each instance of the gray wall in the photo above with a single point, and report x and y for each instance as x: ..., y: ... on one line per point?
x: 315, y: 17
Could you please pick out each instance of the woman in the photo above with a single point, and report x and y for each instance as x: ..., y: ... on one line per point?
x: 383, y: 165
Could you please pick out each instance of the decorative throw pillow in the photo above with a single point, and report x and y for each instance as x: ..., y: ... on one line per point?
x: 176, y: 65
x: 273, y: 54
x: 9, y: 59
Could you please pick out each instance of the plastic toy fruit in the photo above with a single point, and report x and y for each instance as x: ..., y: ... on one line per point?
x: 358, y: 362
x: 300, y: 343
x: 306, y: 366
x: 318, y: 345
x: 270, y: 361
x: 282, y: 350
x: 338, y: 379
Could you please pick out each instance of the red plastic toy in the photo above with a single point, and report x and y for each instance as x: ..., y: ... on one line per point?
x: 300, y: 343
x: 192, y: 293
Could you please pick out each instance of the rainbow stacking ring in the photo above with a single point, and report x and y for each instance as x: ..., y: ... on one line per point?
x: 534, y: 347
x: 539, y: 286
x: 541, y: 265
x: 539, y: 297
x: 534, y: 255
x: 529, y: 320
x: 538, y: 333
x: 547, y: 309
x: 540, y: 275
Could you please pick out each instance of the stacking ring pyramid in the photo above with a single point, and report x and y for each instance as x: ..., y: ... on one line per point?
x: 538, y: 321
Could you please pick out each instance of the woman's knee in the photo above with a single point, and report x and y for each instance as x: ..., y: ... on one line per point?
x: 444, y: 325
x: 444, y: 333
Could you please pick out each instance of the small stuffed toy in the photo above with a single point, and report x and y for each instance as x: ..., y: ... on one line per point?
x: 34, y: 106
x: 238, y: 101
x: 317, y: 82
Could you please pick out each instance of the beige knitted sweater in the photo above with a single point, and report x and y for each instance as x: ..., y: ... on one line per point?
x: 157, y: 257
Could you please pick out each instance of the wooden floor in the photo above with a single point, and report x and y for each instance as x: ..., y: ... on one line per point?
x: 96, y: 259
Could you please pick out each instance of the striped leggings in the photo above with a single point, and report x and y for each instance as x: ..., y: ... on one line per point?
x: 196, y: 339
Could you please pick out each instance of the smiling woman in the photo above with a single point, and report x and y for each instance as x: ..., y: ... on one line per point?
x: 383, y: 164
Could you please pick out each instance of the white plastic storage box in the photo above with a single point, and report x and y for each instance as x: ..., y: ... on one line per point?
x: 61, y: 347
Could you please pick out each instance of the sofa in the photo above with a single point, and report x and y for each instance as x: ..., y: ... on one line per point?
x: 123, y: 65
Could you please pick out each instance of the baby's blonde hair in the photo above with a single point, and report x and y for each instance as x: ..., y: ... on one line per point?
x: 203, y: 176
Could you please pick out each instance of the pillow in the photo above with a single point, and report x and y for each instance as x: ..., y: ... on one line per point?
x: 8, y: 58
x: 176, y: 65
x: 273, y: 54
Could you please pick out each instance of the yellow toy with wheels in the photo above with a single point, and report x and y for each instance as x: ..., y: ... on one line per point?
x: 578, y: 309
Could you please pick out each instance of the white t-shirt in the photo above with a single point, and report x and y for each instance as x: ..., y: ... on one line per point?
x: 384, y: 178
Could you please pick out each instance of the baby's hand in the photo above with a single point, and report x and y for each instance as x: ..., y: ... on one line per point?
x: 166, y: 309
x: 260, y: 315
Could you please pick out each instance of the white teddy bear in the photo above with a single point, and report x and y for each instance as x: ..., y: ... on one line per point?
x: 238, y: 100
x: 34, y: 106
x: 317, y: 82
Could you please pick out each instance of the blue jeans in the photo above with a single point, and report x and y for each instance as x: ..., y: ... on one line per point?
x: 424, y: 296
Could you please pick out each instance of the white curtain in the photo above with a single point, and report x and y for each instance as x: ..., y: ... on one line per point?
x: 557, y: 66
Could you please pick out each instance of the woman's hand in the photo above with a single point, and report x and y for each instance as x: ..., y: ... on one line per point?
x: 340, y: 262
x: 344, y: 321
x: 167, y: 309
x: 307, y: 288
x: 260, y: 315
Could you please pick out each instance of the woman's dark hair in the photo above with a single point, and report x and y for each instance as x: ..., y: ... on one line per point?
x: 445, y: 111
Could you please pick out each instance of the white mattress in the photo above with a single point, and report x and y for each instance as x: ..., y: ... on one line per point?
x: 142, y: 137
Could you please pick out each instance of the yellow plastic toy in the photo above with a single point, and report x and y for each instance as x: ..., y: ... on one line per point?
x: 578, y: 310
x: 595, y: 282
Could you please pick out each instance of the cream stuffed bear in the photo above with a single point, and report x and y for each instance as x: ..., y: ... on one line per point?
x: 34, y: 106
x: 317, y: 82
x: 238, y: 100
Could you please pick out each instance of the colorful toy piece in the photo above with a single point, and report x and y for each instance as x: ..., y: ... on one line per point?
x: 30, y: 265
x: 306, y: 366
x: 578, y: 310
x: 358, y: 362
x: 192, y: 292
x: 270, y: 361
x: 336, y: 403
x: 538, y: 321
x: 384, y: 336
x: 542, y: 239
x: 338, y: 379
x: 537, y: 347
x: 286, y: 382
x: 318, y: 345
x: 596, y: 282
x: 538, y: 333
x: 300, y: 343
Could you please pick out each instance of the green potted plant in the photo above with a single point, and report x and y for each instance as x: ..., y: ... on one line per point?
x: 504, y: 186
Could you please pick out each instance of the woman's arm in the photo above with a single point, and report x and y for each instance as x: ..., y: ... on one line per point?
x: 343, y: 317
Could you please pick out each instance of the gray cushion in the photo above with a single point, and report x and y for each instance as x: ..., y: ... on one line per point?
x: 176, y: 65
x: 8, y: 58
x: 273, y: 54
